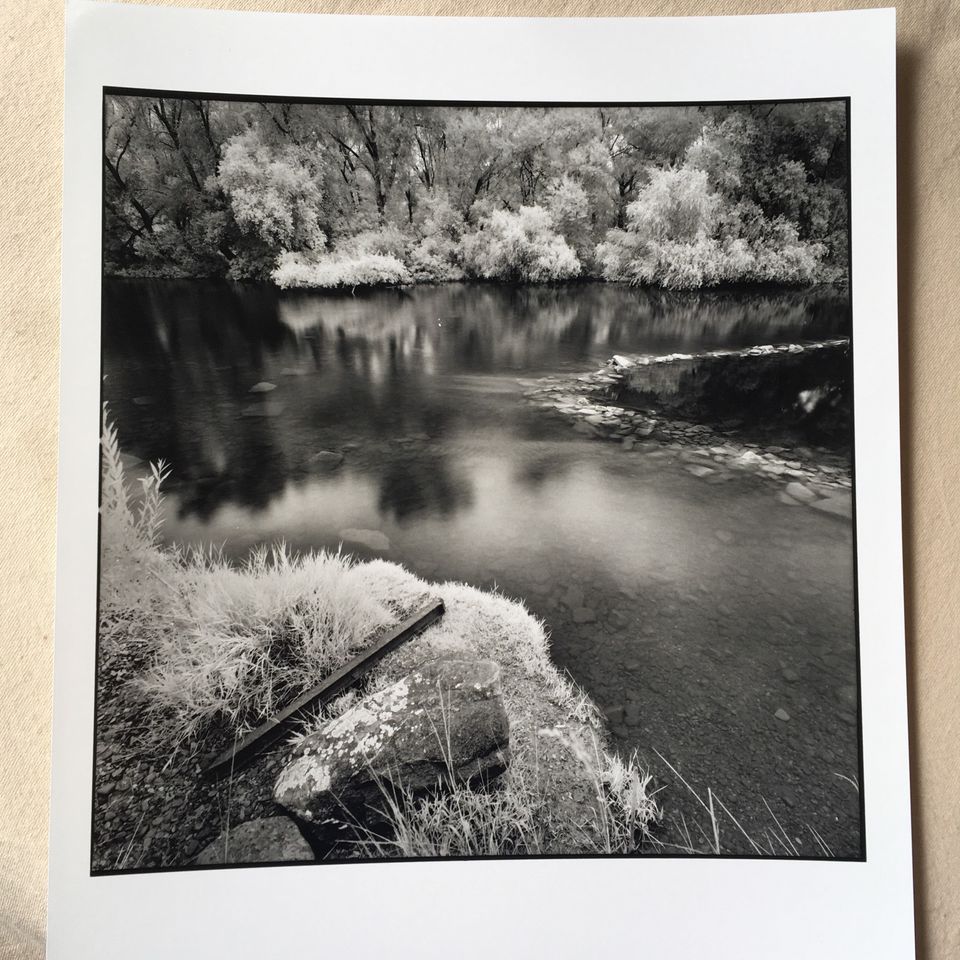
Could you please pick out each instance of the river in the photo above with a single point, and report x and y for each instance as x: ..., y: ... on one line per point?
x: 692, y: 613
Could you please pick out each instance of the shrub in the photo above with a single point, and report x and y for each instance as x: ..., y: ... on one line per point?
x: 674, y: 205
x: 435, y: 259
x: 385, y: 241
x: 522, y: 246
x: 682, y: 235
x: 339, y: 271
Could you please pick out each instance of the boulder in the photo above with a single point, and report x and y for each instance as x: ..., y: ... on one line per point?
x: 443, y: 721
x: 270, y: 840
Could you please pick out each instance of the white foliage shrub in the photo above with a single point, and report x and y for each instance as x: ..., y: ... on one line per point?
x: 339, y: 271
x: 683, y: 235
x: 521, y: 246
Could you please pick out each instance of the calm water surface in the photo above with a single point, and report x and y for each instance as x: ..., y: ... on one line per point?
x: 690, y: 612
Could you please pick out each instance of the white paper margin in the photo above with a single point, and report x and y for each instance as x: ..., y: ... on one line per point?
x: 530, y: 908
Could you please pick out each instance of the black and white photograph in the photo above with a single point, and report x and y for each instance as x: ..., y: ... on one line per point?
x: 476, y: 481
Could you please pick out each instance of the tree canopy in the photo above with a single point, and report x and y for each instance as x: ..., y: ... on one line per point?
x: 349, y: 195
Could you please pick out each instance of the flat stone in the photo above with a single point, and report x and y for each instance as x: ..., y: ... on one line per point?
x: 445, y: 721
x: 270, y: 840
x: 325, y: 460
x: 839, y: 505
x: 699, y: 471
x: 264, y: 386
x: 269, y: 409
x: 782, y: 714
x: 373, y: 539
x: 800, y: 492
x: 784, y: 497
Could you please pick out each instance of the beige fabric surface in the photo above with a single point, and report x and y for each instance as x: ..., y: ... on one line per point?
x: 31, y: 77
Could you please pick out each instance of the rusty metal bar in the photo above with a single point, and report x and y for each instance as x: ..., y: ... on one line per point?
x: 240, y: 754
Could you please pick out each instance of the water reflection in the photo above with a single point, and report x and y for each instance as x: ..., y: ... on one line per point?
x: 181, y: 357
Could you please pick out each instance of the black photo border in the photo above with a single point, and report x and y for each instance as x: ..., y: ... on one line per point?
x: 114, y: 91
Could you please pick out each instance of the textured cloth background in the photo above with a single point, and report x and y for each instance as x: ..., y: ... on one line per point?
x: 31, y: 78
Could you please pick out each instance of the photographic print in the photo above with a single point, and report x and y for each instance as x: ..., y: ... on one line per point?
x: 476, y: 481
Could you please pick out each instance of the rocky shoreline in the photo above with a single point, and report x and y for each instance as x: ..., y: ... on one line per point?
x: 799, y: 475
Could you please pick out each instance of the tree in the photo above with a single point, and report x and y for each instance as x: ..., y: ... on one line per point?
x: 207, y: 188
x: 275, y: 197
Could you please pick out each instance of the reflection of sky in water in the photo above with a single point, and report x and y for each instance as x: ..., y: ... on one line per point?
x: 683, y: 635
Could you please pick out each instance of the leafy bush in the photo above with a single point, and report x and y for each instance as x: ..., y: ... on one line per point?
x: 682, y: 235
x: 339, y: 271
x: 386, y: 241
x: 522, y: 246
x: 435, y: 260
x: 675, y: 205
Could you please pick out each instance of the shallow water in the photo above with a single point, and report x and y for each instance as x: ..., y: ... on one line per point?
x: 691, y: 612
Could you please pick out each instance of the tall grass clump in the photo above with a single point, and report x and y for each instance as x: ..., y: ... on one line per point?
x: 131, y: 561
x: 462, y: 821
x: 241, y: 640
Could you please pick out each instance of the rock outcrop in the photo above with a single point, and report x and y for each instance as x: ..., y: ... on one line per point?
x: 444, y: 721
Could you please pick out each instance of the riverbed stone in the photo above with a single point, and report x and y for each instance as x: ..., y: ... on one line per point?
x: 264, y: 386
x: 268, y: 840
x: 839, y: 505
x: 372, y: 539
x: 325, y: 461
x: 800, y: 492
x: 444, y: 721
x: 268, y: 409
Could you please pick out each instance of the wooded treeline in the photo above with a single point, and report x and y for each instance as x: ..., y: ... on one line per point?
x: 351, y: 195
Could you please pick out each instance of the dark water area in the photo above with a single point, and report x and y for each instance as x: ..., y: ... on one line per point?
x: 691, y: 613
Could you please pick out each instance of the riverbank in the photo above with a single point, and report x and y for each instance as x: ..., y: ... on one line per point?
x: 194, y: 650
